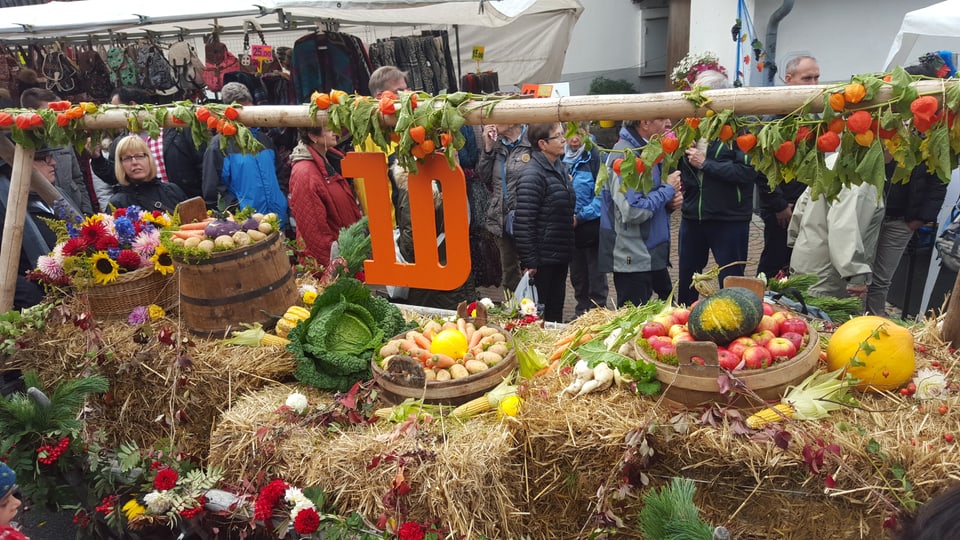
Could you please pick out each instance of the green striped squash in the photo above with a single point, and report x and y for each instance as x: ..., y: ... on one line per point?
x: 723, y: 317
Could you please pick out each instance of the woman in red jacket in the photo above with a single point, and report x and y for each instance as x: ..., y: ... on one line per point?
x: 321, y: 200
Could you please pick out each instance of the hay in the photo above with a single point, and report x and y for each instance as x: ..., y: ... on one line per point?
x: 463, y: 474
x: 156, y: 395
x: 545, y: 474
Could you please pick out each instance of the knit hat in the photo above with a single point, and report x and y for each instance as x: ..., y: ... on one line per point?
x: 8, y: 480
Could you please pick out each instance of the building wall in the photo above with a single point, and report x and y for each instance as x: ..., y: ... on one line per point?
x: 607, y: 40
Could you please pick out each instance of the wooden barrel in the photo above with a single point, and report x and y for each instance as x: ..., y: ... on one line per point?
x: 688, y: 384
x: 452, y: 392
x: 243, y: 285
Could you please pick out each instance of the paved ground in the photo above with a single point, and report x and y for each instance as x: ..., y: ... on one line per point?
x: 569, y: 305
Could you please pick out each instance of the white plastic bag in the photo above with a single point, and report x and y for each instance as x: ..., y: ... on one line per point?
x: 398, y: 293
x: 526, y: 289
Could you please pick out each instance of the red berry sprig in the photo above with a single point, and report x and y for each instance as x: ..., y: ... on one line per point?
x: 48, y: 454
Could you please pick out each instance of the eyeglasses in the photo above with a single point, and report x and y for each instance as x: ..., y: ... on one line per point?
x: 560, y: 136
x: 133, y: 157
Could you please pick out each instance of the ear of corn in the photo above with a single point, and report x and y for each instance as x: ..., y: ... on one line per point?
x: 270, y: 340
x: 777, y: 413
x: 473, y: 407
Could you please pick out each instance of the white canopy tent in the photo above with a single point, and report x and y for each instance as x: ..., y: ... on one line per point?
x: 935, y: 27
x: 524, y: 40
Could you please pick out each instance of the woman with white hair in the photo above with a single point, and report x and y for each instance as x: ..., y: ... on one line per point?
x: 717, y: 205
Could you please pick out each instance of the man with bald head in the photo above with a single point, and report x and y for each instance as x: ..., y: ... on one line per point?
x: 776, y: 206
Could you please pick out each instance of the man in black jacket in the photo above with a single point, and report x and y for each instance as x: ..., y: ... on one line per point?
x: 178, y: 160
x: 776, y: 205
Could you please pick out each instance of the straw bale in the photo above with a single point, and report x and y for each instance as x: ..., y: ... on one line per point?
x: 156, y: 394
x: 464, y: 474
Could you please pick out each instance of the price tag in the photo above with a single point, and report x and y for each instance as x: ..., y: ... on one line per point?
x: 261, y: 53
x: 477, y: 54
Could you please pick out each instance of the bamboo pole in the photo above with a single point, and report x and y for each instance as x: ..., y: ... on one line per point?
x: 14, y: 218
x: 743, y: 101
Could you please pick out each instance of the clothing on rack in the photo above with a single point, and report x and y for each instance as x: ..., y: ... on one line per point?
x: 327, y: 61
x: 426, y: 59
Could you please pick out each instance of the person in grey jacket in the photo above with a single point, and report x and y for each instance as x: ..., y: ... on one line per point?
x: 635, y: 226
x: 545, y: 218
x: 506, y: 151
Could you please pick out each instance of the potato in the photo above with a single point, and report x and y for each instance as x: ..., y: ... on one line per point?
x: 475, y: 366
x: 498, y: 337
x: 255, y: 235
x: 241, y: 239
x: 444, y: 375
x: 430, y: 374
x: 206, y: 245
x: 458, y: 371
x: 499, y: 348
x: 489, y: 358
x: 178, y: 242
x: 224, y: 242
x: 192, y: 242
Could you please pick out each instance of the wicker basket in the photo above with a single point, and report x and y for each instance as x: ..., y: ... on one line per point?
x: 142, y: 287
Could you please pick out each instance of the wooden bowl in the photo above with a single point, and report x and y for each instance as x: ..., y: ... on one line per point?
x: 691, y: 385
x: 452, y: 392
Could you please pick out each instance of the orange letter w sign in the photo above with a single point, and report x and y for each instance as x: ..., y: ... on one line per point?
x: 426, y: 272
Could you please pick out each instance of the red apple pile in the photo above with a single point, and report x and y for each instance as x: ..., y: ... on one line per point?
x: 779, y: 337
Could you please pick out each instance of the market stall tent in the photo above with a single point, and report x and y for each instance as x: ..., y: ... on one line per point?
x: 524, y: 40
x: 936, y: 27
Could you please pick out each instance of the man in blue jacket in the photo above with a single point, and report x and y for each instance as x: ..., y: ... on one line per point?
x: 635, y: 226
x: 243, y: 179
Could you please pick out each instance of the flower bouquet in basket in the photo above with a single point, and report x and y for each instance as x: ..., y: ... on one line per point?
x: 692, y: 65
x: 117, y: 259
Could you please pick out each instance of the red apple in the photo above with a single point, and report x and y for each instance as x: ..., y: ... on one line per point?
x: 794, y: 338
x: 757, y: 357
x: 768, y: 309
x: 794, y: 324
x: 738, y: 345
x: 727, y: 360
x: 681, y: 315
x: 682, y: 336
x: 781, y: 349
x: 657, y: 342
x: 653, y: 328
x: 666, y: 351
x: 665, y: 319
x: 768, y: 322
x: 698, y: 360
x: 780, y: 316
x: 762, y: 337
x: 676, y: 329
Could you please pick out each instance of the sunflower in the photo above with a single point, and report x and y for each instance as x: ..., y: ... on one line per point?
x: 105, y: 269
x: 162, y: 261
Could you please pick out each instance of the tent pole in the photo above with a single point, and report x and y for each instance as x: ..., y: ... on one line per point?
x: 456, y: 37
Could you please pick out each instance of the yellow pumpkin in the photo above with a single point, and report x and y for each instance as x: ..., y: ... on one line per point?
x: 884, y: 361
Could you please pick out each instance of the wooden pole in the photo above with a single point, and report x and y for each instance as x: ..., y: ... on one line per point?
x: 950, y: 333
x: 742, y: 101
x: 13, y: 225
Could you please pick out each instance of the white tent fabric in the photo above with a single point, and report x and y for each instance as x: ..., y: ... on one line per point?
x: 941, y: 20
x: 525, y: 40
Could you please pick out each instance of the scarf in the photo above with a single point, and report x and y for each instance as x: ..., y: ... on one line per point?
x: 571, y: 157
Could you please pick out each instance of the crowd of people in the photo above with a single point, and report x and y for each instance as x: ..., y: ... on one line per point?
x: 534, y: 205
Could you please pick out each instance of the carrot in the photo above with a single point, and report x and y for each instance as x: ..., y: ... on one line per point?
x: 440, y: 361
x: 471, y: 330
x: 420, y: 354
x: 428, y: 332
x: 462, y: 326
x: 408, y: 345
x: 419, y: 339
x: 558, y: 352
x: 186, y: 234
x: 564, y: 341
x: 552, y: 367
x: 197, y: 226
x: 474, y: 340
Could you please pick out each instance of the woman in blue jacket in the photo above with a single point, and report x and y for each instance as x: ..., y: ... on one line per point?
x: 589, y: 284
